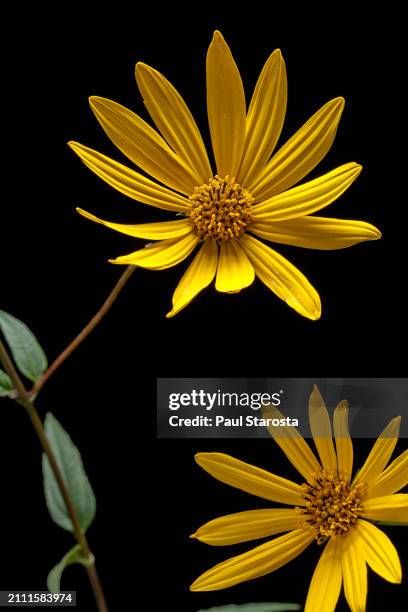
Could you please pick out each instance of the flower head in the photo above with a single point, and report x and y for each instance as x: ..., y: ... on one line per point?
x: 330, y: 508
x: 250, y: 194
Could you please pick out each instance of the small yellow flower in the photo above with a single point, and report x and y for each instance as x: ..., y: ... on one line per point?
x: 252, y: 192
x: 330, y: 508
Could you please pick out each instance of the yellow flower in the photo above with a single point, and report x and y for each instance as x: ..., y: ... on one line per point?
x: 330, y: 508
x: 252, y: 191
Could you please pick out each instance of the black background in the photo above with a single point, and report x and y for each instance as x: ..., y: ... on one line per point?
x: 54, y: 275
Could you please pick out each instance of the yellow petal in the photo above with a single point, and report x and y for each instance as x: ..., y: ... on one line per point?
x: 393, y: 479
x: 257, y: 562
x: 300, y: 154
x: 380, y: 552
x: 354, y: 570
x: 286, y: 281
x: 225, y: 107
x: 344, y: 444
x: 151, y: 231
x: 325, y: 586
x: 246, y: 526
x: 316, y: 232
x: 235, y: 271
x: 380, y: 453
x: 160, y: 255
x: 307, y: 198
x: 265, y: 118
x: 390, y: 508
x: 251, y: 479
x: 321, y: 430
x: 293, y: 445
x: 129, y: 182
x: 198, y: 275
x: 173, y: 118
x: 143, y: 145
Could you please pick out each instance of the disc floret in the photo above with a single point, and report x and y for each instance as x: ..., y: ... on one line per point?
x: 220, y: 209
x: 331, y: 505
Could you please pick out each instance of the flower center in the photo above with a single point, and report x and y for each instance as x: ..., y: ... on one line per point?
x: 331, y: 506
x: 220, y: 209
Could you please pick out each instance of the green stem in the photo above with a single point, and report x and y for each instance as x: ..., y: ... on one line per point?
x: 24, y: 400
x: 85, y: 332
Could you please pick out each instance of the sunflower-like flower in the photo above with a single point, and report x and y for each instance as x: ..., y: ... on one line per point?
x: 251, y: 193
x: 330, y: 508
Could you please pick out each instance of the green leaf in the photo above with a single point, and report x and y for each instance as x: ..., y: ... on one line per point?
x: 24, y: 346
x: 70, y: 463
x: 255, y: 607
x: 6, y: 386
x: 54, y: 577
